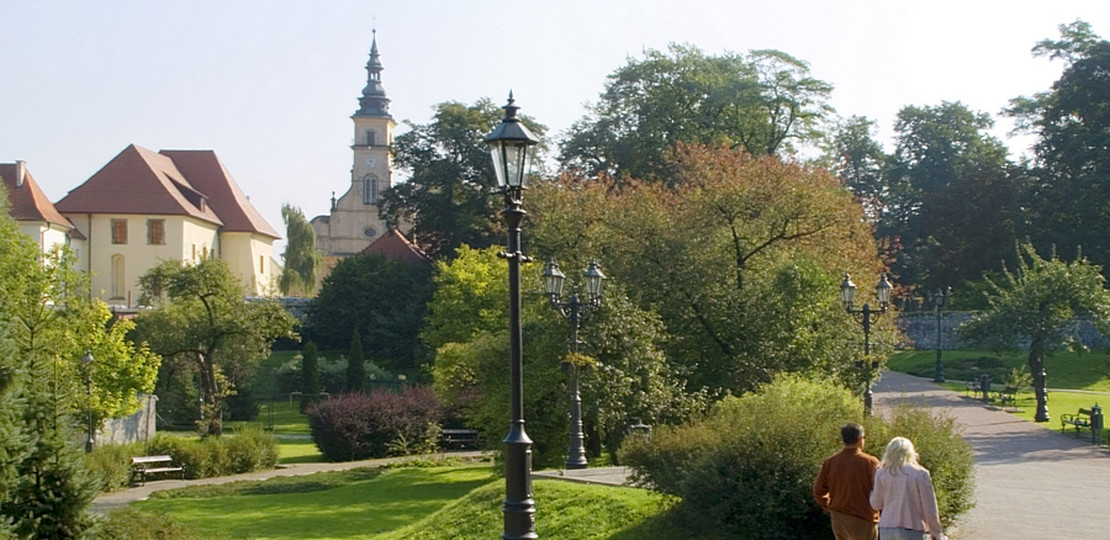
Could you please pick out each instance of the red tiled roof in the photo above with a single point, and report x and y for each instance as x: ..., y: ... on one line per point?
x: 138, y: 181
x: 28, y: 201
x: 394, y: 245
x: 207, y: 174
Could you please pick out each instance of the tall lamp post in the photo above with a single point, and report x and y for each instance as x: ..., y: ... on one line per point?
x: 573, y: 310
x: 939, y: 299
x: 87, y: 360
x: 512, y: 147
x: 866, y: 316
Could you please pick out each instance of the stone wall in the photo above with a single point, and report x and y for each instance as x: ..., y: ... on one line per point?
x: 919, y: 331
x: 138, y: 427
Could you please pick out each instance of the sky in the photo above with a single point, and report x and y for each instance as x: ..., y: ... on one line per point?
x: 270, y: 85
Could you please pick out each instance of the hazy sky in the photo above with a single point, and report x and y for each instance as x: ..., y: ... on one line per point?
x: 271, y: 85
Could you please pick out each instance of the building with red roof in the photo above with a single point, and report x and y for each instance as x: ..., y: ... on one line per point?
x: 36, y: 215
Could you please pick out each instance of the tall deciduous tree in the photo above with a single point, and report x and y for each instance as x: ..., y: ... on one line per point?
x: 201, y: 318
x: 448, y: 200
x: 740, y: 259
x: 946, y: 164
x: 301, y: 258
x: 384, y: 299
x: 859, y: 161
x: 1037, y: 301
x: 1072, y: 121
x: 764, y: 102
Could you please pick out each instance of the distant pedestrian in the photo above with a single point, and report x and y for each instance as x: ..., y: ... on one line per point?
x: 843, y: 486
x: 904, y: 495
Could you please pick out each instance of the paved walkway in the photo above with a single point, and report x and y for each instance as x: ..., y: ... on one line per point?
x: 1032, y: 482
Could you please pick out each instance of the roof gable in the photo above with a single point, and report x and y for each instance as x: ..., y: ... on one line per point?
x: 28, y: 202
x: 138, y: 181
x: 394, y: 245
x: 207, y: 174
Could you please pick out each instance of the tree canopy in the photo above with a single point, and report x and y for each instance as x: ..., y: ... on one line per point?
x: 764, y: 102
x: 448, y: 199
x: 383, y: 299
x: 1037, y: 301
x: 202, y: 321
x: 301, y: 257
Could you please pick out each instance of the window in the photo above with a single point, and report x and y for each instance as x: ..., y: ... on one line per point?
x: 194, y: 253
x: 370, y: 190
x: 369, y: 138
x: 262, y: 264
x: 119, y: 276
x: 119, y: 231
x: 156, y: 232
x: 204, y: 252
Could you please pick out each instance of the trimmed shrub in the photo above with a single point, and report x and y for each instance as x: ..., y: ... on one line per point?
x: 360, y: 426
x: 747, y: 468
x: 244, y: 451
x: 110, y: 464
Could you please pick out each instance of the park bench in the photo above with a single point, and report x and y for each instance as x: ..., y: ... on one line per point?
x: 971, y: 387
x: 1079, y: 420
x: 142, y: 466
x: 1007, y: 396
x: 459, y: 439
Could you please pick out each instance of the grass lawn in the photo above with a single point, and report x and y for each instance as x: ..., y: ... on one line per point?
x: 432, y: 503
x: 1075, y: 380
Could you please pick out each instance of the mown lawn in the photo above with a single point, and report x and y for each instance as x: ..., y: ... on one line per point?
x: 429, y: 503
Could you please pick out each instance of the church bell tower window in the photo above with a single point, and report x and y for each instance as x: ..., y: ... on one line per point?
x: 370, y: 190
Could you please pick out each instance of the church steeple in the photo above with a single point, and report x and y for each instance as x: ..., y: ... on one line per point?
x: 373, y: 101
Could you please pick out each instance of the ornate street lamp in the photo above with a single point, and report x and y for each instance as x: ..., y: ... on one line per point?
x: 939, y: 299
x: 512, y: 147
x: 573, y: 310
x: 866, y: 317
x: 87, y: 361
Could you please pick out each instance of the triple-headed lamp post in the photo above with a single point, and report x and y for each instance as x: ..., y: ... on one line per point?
x: 573, y: 310
x: 512, y: 147
x: 867, y: 316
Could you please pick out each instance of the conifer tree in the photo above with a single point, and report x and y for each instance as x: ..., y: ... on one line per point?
x: 356, y: 367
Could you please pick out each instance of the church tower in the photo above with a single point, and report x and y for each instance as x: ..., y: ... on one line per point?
x: 354, y: 221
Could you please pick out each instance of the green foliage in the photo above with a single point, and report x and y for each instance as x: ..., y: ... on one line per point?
x: 356, y: 369
x: 762, y: 102
x: 746, y: 470
x: 201, y: 322
x: 740, y: 260
x: 245, y: 451
x: 132, y: 524
x: 310, y: 375
x: 1066, y: 205
x: 942, y: 451
x: 110, y: 464
x: 301, y: 258
x: 1036, y: 301
x: 468, y: 330
x: 446, y: 200
x: 384, y: 299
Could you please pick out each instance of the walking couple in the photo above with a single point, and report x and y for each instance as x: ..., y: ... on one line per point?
x: 868, y: 499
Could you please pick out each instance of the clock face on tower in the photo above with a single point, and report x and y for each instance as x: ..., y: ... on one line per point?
x: 370, y: 161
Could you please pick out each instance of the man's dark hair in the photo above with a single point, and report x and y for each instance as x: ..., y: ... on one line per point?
x: 851, y: 433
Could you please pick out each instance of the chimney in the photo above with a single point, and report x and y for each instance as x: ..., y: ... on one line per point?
x: 20, y: 172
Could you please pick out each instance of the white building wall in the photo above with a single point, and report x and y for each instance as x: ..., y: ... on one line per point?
x: 250, y: 258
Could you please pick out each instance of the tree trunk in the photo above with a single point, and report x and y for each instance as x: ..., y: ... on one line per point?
x: 1036, y: 367
x: 213, y: 402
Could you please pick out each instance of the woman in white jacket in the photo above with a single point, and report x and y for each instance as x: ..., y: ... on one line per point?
x: 903, y: 495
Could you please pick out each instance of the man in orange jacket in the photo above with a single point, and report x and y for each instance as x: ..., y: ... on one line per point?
x: 843, y: 488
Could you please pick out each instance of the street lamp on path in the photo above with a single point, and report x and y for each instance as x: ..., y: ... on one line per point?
x: 866, y: 317
x: 573, y: 310
x: 512, y: 147
x: 87, y: 361
x: 939, y: 299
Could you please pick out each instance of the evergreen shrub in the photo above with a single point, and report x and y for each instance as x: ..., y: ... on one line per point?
x: 244, y: 451
x: 360, y: 426
x: 746, y: 469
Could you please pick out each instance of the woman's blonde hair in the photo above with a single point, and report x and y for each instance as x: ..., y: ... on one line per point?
x: 899, y: 453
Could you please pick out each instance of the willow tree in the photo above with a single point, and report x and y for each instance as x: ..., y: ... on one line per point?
x: 301, y: 257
